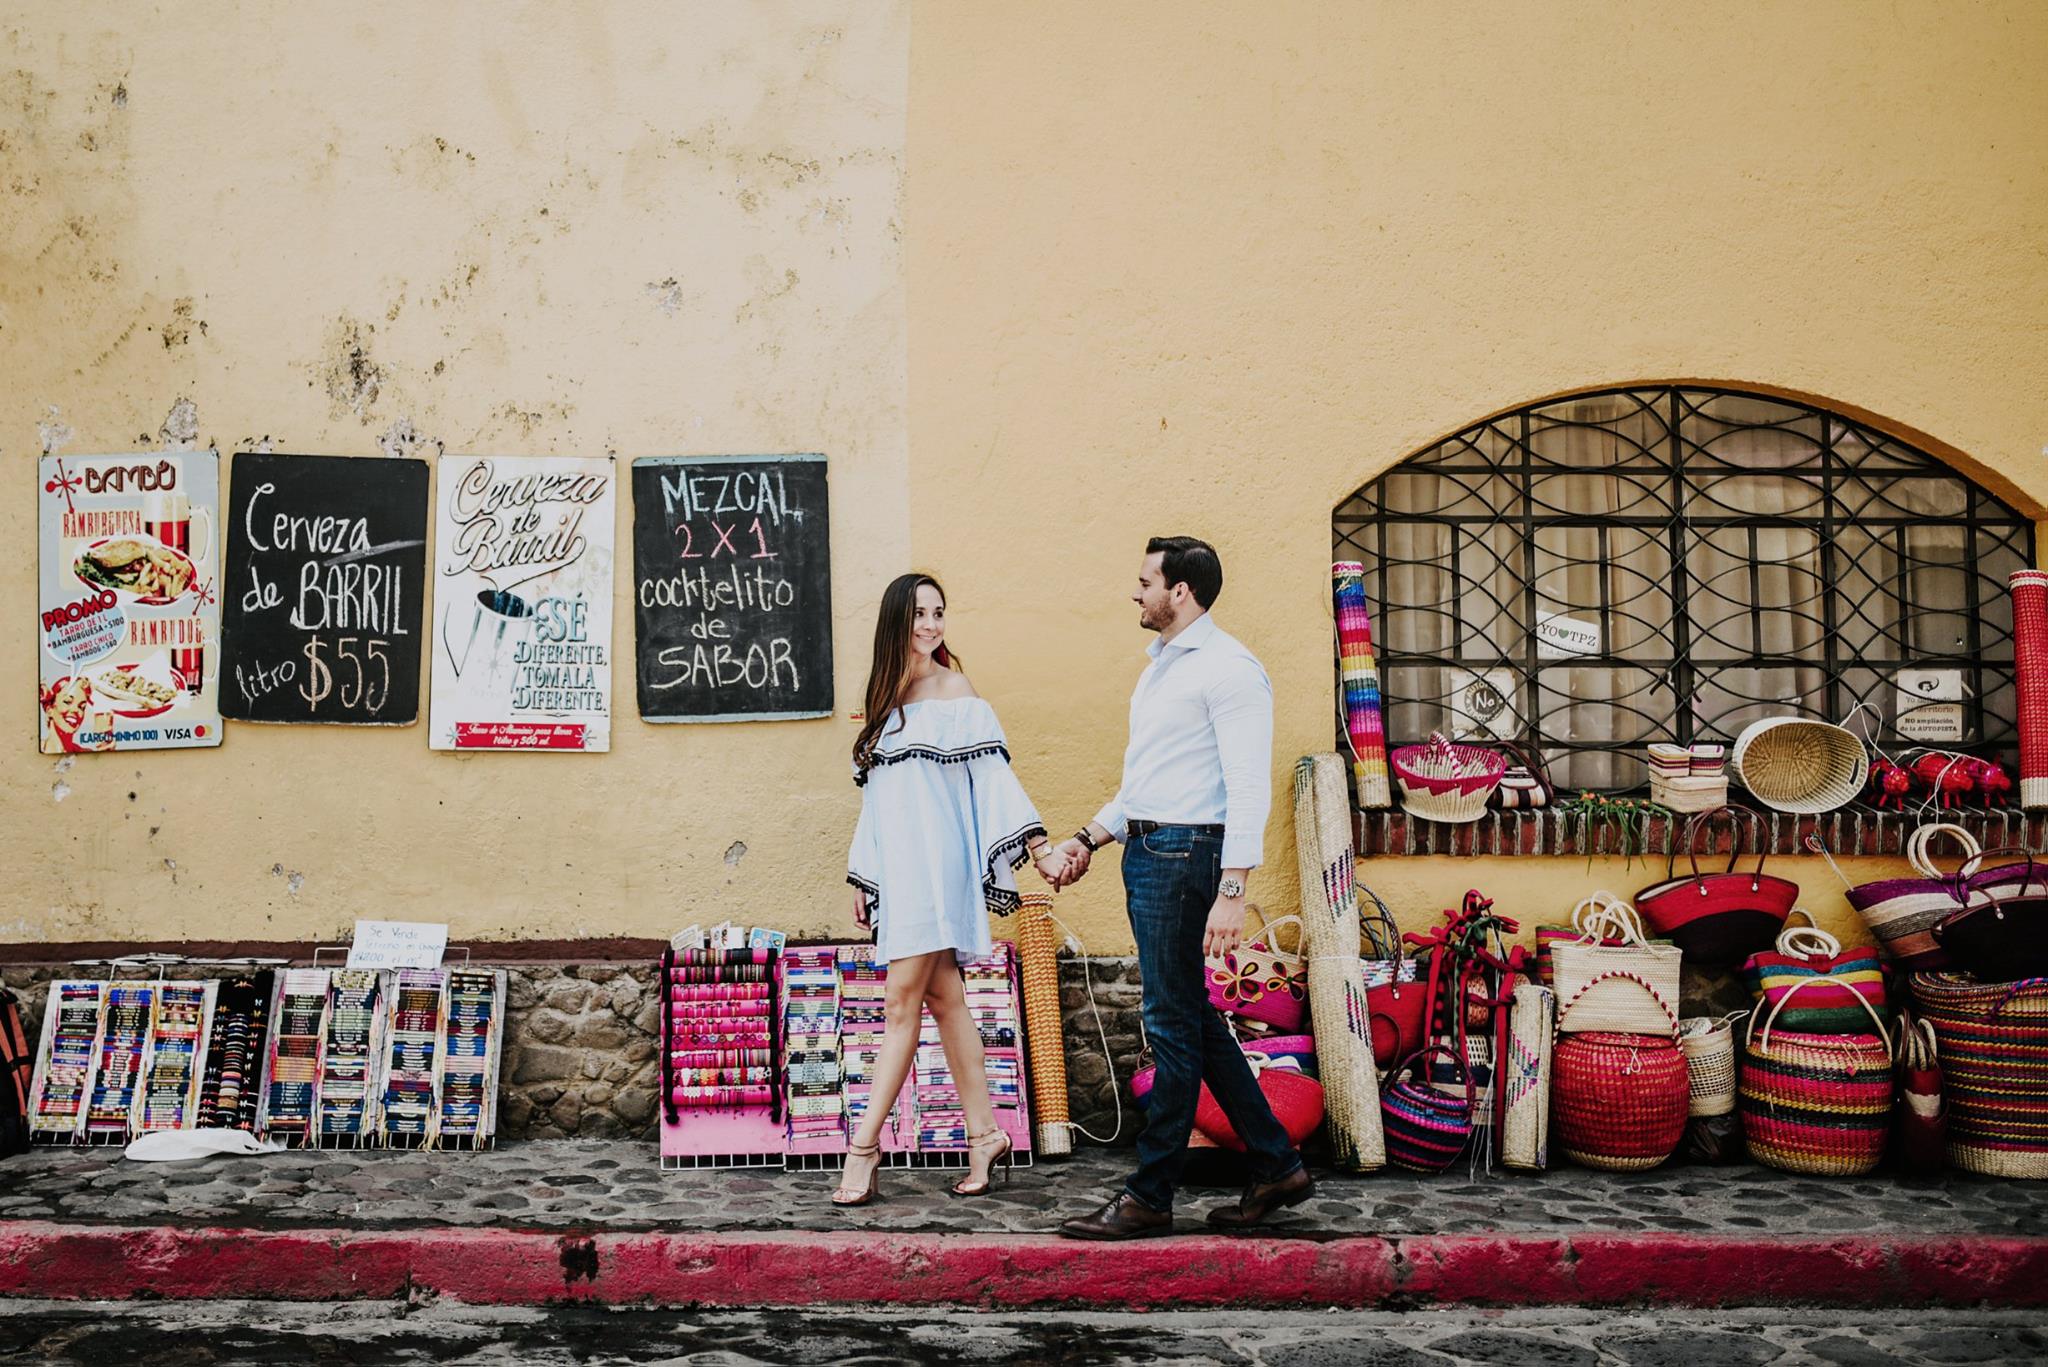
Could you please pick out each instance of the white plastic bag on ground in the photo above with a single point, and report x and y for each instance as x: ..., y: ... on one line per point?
x: 169, y: 1146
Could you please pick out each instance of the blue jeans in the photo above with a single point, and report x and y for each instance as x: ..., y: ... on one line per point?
x: 1170, y: 879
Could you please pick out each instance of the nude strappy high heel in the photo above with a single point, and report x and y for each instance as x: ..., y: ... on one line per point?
x: 847, y: 1196
x: 1002, y: 1155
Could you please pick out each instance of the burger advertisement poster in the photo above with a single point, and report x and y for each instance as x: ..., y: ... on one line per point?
x: 130, y: 601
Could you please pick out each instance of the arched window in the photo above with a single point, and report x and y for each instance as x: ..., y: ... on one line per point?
x: 1672, y: 563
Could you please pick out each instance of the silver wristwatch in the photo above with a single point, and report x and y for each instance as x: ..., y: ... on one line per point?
x: 1232, y: 888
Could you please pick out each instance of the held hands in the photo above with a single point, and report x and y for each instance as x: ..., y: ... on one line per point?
x: 1055, y: 867
x: 1064, y: 864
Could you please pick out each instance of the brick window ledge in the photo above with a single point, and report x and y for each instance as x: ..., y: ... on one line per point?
x: 1853, y: 830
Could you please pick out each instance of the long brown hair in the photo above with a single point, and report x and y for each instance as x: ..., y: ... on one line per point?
x: 889, y: 674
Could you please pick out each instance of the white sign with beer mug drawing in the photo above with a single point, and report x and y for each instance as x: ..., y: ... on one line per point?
x: 522, y: 627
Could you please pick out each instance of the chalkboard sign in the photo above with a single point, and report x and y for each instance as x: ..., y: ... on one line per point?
x: 732, y: 590
x: 326, y: 576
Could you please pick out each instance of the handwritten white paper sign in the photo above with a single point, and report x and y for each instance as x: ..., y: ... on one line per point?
x: 397, y: 944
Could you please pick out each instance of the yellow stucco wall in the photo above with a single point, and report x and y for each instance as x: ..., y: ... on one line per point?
x: 633, y: 227
x: 1210, y: 272
x: 1042, y: 280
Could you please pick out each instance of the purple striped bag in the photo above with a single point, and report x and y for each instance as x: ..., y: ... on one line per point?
x: 1901, y: 913
x: 1426, y: 1128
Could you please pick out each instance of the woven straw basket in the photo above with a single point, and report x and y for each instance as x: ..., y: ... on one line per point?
x: 1709, y: 1045
x: 1619, y: 1097
x: 1901, y: 913
x: 1444, y: 782
x: 1796, y: 764
x: 1993, y: 1042
x: 1819, y: 1104
x: 1584, y: 971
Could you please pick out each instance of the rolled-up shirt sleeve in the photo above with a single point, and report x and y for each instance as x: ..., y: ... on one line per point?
x: 1111, y: 817
x: 1241, y: 710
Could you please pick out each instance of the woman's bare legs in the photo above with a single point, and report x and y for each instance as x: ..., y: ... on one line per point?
x: 946, y: 997
x: 902, y: 1010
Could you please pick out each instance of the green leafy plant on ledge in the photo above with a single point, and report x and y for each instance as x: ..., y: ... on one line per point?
x: 1620, y: 824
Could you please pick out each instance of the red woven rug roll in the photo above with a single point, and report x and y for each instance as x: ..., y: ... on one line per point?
x: 2030, y: 655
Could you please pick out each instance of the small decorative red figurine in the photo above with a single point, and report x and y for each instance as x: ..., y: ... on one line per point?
x: 1948, y: 777
x: 1889, y: 785
x: 1993, y: 782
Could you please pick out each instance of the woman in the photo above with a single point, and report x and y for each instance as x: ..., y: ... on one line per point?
x: 943, y: 826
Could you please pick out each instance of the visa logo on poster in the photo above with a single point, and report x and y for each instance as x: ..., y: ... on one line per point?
x: 1560, y: 638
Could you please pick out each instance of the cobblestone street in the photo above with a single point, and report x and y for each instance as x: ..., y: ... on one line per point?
x: 111, y: 1335
x: 619, y: 1185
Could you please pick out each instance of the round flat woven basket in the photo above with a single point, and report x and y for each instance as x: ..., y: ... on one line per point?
x: 1796, y: 764
x: 1443, y: 782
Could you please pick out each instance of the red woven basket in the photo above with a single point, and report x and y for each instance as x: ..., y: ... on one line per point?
x: 1618, y: 1102
x: 1719, y: 918
x: 1819, y: 1104
x: 1296, y: 1099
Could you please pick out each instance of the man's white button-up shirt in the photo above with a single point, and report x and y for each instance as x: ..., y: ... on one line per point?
x: 1201, y: 750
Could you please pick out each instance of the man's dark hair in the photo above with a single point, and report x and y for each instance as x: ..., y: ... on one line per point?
x: 1184, y: 560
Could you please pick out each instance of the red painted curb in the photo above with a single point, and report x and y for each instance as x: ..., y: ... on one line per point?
x: 524, y: 1267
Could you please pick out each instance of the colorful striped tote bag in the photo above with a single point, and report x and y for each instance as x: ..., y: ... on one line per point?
x: 1846, y: 988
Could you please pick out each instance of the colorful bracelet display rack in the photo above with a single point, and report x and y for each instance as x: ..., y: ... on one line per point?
x: 64, y: 1060
x: 720, y: 1039
x: 234, y: 1053
x: 117, y: 1059
x: 326, y: 1057
x: 346, y: 1111
x: 174, y: 1059
x: 827, y: 1005
x: 813, y: 1067
x: 474, y: 1026
x: 291, y: 1069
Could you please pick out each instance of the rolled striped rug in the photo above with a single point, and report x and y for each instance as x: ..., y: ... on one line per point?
x: 2030, y: 665
x: 1336, y: 976
x: 1364, y: 716
x: 1038, y: 964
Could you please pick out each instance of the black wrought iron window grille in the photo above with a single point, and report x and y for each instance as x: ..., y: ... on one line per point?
x: 1672, y: 563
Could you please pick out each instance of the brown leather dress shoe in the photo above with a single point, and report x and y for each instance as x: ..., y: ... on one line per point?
x: 1261, y: 1199
x: 1125, y: 1217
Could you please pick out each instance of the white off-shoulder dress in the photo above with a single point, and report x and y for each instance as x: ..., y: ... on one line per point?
x: 944, y: 825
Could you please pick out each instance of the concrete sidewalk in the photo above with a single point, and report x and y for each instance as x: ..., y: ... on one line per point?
x: 599, y: 1221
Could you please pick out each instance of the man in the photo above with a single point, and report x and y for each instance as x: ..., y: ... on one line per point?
x: 1191, y: 815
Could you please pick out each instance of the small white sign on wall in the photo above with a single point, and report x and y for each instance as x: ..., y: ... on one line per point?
x: 1930, y: 704
x: 397, y: 944
x: 1559, y: 637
